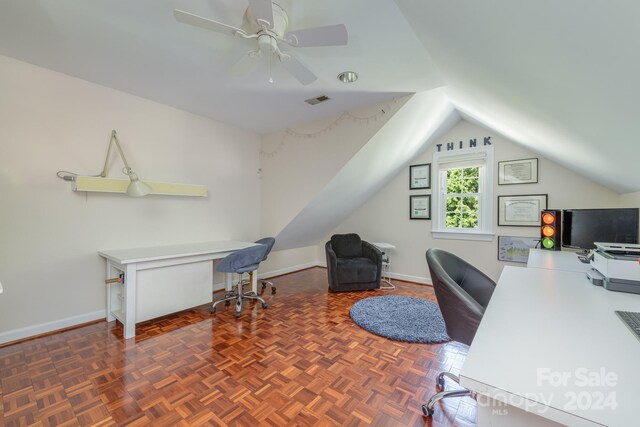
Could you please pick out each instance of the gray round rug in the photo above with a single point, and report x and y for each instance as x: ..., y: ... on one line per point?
x: 401, y: 319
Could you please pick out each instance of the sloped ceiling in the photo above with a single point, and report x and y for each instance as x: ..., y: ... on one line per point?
x: 139, y: 48
x: 421, y: 120
x: 560, y: 77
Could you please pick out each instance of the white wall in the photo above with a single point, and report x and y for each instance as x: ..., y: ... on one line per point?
x: 298, y: 163
x: 631, y: 199
x: 385, y: 217
x: 49, y: 235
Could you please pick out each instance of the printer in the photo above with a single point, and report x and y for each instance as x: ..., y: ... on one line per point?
x: 616, y: 267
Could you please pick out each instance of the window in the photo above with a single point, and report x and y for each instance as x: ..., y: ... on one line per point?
x: 463, y: 197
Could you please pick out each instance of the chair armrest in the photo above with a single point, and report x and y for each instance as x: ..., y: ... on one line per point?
x: 332, y: 263
x: 375, y: 255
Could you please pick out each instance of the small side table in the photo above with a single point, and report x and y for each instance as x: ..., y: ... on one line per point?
x: 385, y: 248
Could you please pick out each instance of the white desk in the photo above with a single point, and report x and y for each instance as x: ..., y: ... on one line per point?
x: 539, y: 325
x: 162, y: 280
x: 556, y: 260
x: 385, y: 248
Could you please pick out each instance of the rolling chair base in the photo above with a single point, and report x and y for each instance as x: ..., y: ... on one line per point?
x: 238, y: 296
x: 265, y: 283
x: 429, y: 408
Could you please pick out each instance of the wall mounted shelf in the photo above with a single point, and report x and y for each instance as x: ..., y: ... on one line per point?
x: 108, y: 185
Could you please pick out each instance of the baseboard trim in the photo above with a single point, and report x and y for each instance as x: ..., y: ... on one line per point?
x: 414, y: 279
x: 291, y: 269
x: 56, y: 325
x: 280, y: 272
x: 403, y: 277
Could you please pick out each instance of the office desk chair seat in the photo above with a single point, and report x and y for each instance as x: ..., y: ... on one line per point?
x: 243, y: 261
x: 268, y: 242
x: 463, y: 293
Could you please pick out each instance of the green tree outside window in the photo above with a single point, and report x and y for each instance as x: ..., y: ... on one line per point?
x: 462, y: 197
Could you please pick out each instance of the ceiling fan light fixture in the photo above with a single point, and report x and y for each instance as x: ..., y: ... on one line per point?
x: 348, y: 76
x: 267, y: 23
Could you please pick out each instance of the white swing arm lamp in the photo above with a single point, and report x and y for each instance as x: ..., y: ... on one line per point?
x: 136, y: 188
x: 133, y: 187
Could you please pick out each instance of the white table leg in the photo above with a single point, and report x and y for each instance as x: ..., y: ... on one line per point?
x: 130, y: 301
x: 229, y: 281
x: 386, y: 278
x: 110, y: 316
x: 254, y: 282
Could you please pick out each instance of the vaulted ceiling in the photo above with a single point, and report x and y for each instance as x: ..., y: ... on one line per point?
x: 559, y: 77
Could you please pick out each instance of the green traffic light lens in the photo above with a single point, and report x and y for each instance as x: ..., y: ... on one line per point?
x: 547, y: 243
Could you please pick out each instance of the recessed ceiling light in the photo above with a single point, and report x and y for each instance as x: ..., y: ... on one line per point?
x: 348, y: 76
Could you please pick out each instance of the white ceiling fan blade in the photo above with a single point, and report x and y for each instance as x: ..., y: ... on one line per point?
x: 297, y: 69
x: 207, y: 24
x: 262, y: 12
x: 330, y: 35
x: 245, y: 64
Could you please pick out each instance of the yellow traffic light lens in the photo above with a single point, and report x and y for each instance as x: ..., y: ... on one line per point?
x: 548, y: 231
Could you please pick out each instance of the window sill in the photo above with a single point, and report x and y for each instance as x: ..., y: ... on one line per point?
x: 462, y: 235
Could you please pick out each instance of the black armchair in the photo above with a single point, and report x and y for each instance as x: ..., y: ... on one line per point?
x: 352, y: 263
x: 463, y: 293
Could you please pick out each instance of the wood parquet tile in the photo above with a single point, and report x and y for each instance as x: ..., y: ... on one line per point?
x: 301, y: 362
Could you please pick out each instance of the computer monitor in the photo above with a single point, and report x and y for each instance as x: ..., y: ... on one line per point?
x: 582, y: 227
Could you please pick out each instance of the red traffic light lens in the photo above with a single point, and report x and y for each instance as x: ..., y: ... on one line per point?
x: 548, y: 218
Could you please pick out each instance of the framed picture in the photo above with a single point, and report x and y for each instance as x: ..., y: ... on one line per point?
x: 516, y: 248
x: 420, y: 207
x: 521, y: 211
x: 420, y: 176
x: 524, y: 171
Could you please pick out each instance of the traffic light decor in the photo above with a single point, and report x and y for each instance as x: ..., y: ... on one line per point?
x: 550, y: 232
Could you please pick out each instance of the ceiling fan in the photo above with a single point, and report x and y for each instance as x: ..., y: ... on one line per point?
x: 268, y: 22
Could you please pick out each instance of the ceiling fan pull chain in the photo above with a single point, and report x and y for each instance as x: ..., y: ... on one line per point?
x: 270, y: 73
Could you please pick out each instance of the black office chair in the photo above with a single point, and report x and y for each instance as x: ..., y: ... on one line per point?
x: 268, y: 242
x: 463, y: 293
x: 243, y: 261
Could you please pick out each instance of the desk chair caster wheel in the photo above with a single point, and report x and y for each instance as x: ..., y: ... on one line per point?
x: 264, y: 285
x: 265, y: 305
x: 212, y: 310
x: 227, y: 303
x: 426, y: 411
x: 238, y: 313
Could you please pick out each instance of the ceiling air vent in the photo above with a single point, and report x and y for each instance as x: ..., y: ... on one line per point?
x: 318, y: 100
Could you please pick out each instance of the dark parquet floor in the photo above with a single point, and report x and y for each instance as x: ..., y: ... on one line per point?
x: 301, y: 362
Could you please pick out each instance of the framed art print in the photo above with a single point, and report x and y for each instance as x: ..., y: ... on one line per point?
x: 516, y: 248
x: 420, y: 176
x: 521, y: 211
x: 420, y: 207
x: 524, y: 171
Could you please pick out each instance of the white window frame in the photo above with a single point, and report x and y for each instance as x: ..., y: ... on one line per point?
x: 443, y: 160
